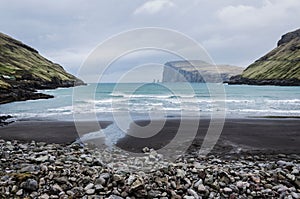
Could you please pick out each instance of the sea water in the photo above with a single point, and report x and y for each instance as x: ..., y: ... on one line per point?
x: 173, y: 98
x: 160, y: 100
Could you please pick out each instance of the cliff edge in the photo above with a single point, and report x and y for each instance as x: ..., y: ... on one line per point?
x: 198, y: 71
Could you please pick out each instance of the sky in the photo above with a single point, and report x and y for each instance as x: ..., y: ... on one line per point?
x: 235, y: 32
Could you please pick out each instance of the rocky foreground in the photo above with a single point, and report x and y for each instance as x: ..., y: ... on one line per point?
x: 39, y: 170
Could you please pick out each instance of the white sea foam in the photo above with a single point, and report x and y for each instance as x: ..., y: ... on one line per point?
x: 163, y: 96
x: 61, y: 109
x: 266, y: 111
x: 284, y: 101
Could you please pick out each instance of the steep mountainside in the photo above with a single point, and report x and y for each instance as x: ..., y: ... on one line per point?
x: 23, y: 70
x: 281, y: 66
x: 198, y: 71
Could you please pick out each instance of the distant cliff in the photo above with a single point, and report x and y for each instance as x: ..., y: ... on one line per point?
x: 198, y: 71
x: 281, y: 66
x: 23, y: 70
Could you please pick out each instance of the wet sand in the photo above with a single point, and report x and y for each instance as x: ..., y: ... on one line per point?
x: 60, y: 132
x: 251, y: 135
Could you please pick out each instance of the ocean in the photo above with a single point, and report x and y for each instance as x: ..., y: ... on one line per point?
x: 157, y: 100
x: 173, y: 98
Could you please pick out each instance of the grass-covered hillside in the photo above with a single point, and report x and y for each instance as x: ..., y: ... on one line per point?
x: 281, y: 66
x: 23, y: 70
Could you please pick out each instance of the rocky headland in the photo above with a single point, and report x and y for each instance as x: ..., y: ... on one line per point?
x: 23, y: 70
x: 281, y: 66
x: 198, y: 71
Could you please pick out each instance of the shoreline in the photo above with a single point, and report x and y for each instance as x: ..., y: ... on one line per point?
x: 249, y: 135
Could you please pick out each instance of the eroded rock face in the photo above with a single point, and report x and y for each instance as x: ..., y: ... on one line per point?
x: 289, y: 37
x: 281, y: 66
x: 198, y: 71
x: 23, y: 70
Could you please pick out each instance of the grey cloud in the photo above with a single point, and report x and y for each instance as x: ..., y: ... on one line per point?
x: 66, y: 31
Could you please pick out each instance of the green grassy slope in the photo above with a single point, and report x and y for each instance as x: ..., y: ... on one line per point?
x: 23, y: 70
x: 283, y: 62
x: 21, y: 62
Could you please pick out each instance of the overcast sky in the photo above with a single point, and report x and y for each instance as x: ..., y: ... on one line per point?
x: 233, y: 32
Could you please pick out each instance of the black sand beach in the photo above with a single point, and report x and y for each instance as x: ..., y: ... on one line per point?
x: 59, y: 132
x: 252, y: 135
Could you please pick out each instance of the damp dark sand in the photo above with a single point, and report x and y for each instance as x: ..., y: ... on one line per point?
x: 257, y: 135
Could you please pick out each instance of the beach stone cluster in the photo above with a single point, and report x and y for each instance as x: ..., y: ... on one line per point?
x: 40, y: 170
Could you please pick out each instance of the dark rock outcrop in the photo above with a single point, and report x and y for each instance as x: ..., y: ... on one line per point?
x: 238, y: 79
x: 23, y: 70
x: 198, y: 71
x: 3, y: 120
x: 279, y: 67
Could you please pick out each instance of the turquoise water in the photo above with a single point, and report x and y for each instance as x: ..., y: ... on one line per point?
x: 171, y: 99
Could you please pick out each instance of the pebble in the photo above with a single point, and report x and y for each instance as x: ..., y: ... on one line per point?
x: 227, y: 190
x: 44, y: 196
x: 100, y: 180
x: 130, y: 179
x: 14, y: 189
x: 20, y: 192
x: 180, y: 173
x: 284, y: 163
x: 114, y: 197
x: 89, y: 186
x: 295, y: 195
x: 282, y: 189
x: 42, y: 158
x: 291, y: 177
x: 201, y: 188
x: 295, y: 171
x: 56, y: 188
x: 189, y: 197
x: 90, y: 191
x: 99, y: 187
x: 49, y: 171
x: 30, y: 184
x: 193, y: 193
x: 198, y: 183
x: 137, y: 184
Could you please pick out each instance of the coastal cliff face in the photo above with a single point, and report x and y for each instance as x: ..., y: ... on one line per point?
x: 198, y: 71
x: 23, y: 70
x: 281, y: 66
